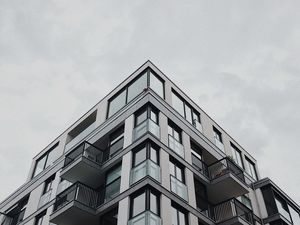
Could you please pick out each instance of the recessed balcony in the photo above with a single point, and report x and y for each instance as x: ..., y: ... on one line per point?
x: 146, y: 218
x: 176, y: 146
x: 148, y: 126
x: 83, y: 165
x: 75, y: 206
x: 227, y: 181
x: 234, y: 212
x: 146, y: 168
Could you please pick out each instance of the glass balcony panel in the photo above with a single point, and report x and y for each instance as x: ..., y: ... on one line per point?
x: 179, y: 188
x: 146, y: 218
x: 147, y: 168
x: 45, y: 198
x: 146, y: 126
x: 219, y: 144
x: 176, y: 146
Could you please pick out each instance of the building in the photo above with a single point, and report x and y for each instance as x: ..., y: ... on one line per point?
x: 146, y: 154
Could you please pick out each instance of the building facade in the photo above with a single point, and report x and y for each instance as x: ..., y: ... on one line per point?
x: 146, y: 154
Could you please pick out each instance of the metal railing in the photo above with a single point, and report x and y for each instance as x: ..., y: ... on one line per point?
x: 200, y: 165
x: 77, y: 192
x: 176, y: 146
x: 146, y: 168
x: 179, y: 188
x: 231, y: 209
x: 45, y: 198
x: 86, y: 150
x: 145, y: 127
x: 146, y: 218
x: 223, y: 167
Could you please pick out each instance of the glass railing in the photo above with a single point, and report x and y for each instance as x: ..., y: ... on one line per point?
x: 199, y: 165
x: 77, y: 192
x: 231, y: 209
x: 45, y: 198
x: 86, y: 150
x: 176, y: 146
x: 223, y: 167
x: 198, y: 126
x: 219, y: 144
x: 146, y: 218
x: 80, y: 137
x: 147, y: 168
x: 145, y: 127
x: 179, y: 188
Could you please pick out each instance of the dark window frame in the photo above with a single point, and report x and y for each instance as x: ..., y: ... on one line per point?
x: 148, y: 145
x: 148, y: 108
x: 40, y: 216
x: 249, y: 161
x: 114, y: 180
x: 48, y: 182
x: 114, y: 137
x: 176, y: 128
x: 238, y: 153
x: 218, y: 133
x: 178, y: 165
x: 178, y: 208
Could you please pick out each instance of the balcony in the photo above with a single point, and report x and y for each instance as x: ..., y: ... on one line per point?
x: 234, y: 212
x: 146, y: 168
x: 200, y: 165
x: 45, y: 198
x: 83, y: 164
x: 146, y: 218
x: 148, y: 126
x: 179, y: 188
x: 76, y: 205
x: 219, y: 144
x: 225, y: 175
x: 176, y: 146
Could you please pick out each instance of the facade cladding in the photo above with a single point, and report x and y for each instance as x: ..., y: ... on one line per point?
x: 146, y: 155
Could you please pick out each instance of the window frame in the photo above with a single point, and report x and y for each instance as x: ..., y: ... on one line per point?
x: 112, y: 140
x: 147, y: 146
x: 40, y: 216
x: 248, y: 170
x: 174, y: 127
x: 180, y: 167
x: 148, y: 108
x: 114, y: 180
x: 237, y: 153
x: 218, y: 134
x: 178, y: 209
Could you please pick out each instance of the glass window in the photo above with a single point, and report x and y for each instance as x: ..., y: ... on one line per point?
x: 153, y: 203
x: 295, y: 216
x: 282, y: 208
x: 140, y: 156
x: 137, y: 87
x: 251, y: 168
x: 156, y: 85
x: 113, y: 179
x: 237, y: 155
x: 188, y: 114
x: 178, y: 104
x: 174, y: 131
x: 40, y: 218
x: 148, y: 151
x: 153, y: 116
x: 140, y: 118
x: 146, y: 112
x: 48, y: 184
x: 176, y: 171
x: 117, y: 103
x: 217, y: 135
x: 178, y: 217
x: 40, y: 165
x: 246, y: 201
x: 153, y: 155
x: 139, y: 204
x: 116, y: 141
x: 113, y: 174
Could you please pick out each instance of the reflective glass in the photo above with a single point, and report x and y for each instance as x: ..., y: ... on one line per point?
x: 153, y: 155
x: 139, y: 204
x: 40, y: 165
x: 177, y: 104
x: 141, y: 117
x: 113, y: 175
x: 156, y: 85
x: 153, y: 203
x: 295, y: 216
x: 140, y: 156
x: 137, y: 87
x: 117, y: 103
x: 188, y: 114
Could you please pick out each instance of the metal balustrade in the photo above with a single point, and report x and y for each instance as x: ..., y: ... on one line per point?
x: 148, y: 126
x: 176, y: 146
x: 146, y: 218
x: 86, y: 150
x: 146, y: 168
x: 223, y: 167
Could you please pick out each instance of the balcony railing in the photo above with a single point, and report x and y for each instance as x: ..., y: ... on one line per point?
x: 45, y: 198
x: 77, y: 192
x: 199, y: 165
x: 145, y: 127
x: 219, y: 144
x: 86, y: 150
x: 80, y: 137
x: 147, y: 168
x: 146, y: 218
x: 198, y: 125
x: 176, y: 146
x: 223, y: 167
x: 179, y: 188
x: 231, y: 209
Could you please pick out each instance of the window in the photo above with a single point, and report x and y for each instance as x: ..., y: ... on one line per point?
x: 18, y: 210
x: 251, y: 168
x: 176, y: 171
x: 246, y: 201
x: 178, y: 216
x: 116, y: 141
x: 174, y: 131
x: 295, y: 216
x: 46, y: 160
x: 282, y: 207
x: 217, y: 135
x: 147, y: 200
x: 196, y: 151
x: 201, y: 197
x: 40, y: 218
x: 48, y: 184
x: 148, y: 151
x: 237, y: 155
x: 112, y: 184
x: 185, y: 110
x: 148, y: 112
x: 136, y: 87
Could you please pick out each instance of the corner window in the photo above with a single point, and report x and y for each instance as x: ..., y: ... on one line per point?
x: 147, y: 112
x: 137, y: 87
x: 237, y: 155
x: 157, y: 85
x: 246, y: 201
x: 46, y: 160
x: 147, y: 151
x: 117, y: 103
x: 251, y: 168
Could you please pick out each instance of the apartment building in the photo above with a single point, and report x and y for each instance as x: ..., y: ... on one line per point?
x: 146, y: 154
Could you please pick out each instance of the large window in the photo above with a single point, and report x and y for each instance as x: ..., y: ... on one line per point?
x: 147, y: 200
x: 148, y: 112
x: 174, y: 131
x: 250, y: 166
x: 46, y: 160
x: 185, y: 109
x: 116, y: 141
x: 237, y: 155
x: 137, y: 86
x: 176, y: 171
x: 178, y: 216
x: 147, y: 151
x: 295, y: 216
x: 112, y: 184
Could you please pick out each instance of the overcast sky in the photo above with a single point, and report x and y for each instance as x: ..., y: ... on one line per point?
x: 239, y: 60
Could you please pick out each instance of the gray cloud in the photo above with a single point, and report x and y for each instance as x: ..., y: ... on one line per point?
x: 237, y: 59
